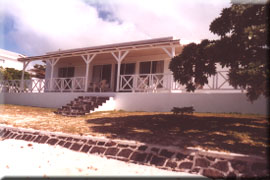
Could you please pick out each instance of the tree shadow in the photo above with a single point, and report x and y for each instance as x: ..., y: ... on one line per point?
x: 238, y: 135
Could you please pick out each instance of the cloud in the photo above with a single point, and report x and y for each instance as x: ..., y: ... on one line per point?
x: 183, y: 19
x: 47, y: 25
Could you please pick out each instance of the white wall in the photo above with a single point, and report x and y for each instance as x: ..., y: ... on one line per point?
x: 162, y: 102
x: 11, y: 63
x: 48, y: 100
x: 202, y: 102
x: 9, y: 59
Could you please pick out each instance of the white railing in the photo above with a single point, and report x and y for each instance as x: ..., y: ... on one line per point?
x: 43, y: 85
x: 34, y: 85
x: 219, y: 81
x: 155, y: 82
x: 16, y: 86
x: 66, y: 84
x: 11, y: 86
x: 145, y: 82
x: 128, y: 83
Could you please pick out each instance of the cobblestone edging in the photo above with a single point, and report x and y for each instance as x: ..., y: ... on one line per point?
x: 213, y: 165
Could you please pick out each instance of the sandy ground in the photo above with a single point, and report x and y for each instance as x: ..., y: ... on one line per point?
x: 21, y: 158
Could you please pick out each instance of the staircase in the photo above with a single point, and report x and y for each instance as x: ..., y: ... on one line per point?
x: 81, y: 106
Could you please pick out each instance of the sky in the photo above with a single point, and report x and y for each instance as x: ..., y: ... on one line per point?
x: 34, y: 27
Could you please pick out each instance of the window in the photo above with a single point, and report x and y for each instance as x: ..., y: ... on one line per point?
x: 101, y: 72
x: 157, y: 67
x: 66, y: 72
x: 128, y: 68
x: 145, y: 67
x: 151, y: 67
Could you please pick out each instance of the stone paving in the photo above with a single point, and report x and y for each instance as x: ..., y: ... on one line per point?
x: 209, y: 164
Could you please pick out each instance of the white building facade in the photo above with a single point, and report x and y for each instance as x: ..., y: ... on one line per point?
x: 9, y: 59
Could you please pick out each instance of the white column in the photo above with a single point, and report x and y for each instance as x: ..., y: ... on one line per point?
x: 119, y: 59
x: 87, y: 59
x: 171, y: 54
x: 86, y: 77
x: 51, y: 79
x: 118, y: 75
x: 22, y: 78
x: 171, y: 79
x: 52, y: 62
x: 173, y: 51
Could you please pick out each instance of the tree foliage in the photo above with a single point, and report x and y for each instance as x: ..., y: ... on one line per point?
x: 38, y: 71
x: 12, y: 74
x: 193, y: 63
x: 242, y: 47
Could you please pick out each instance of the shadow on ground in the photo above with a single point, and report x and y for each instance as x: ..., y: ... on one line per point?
x: 238, y: 135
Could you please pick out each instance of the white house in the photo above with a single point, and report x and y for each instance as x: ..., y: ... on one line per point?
x: 138, y: 66
x: 9, y: 59
x: 135, y: 73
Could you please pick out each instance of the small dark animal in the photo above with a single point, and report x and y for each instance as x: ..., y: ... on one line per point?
x: 188, y: 110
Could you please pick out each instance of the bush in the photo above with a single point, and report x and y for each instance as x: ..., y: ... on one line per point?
x: 183, y: 110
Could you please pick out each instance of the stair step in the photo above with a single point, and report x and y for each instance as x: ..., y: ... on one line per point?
x: 81, y: 105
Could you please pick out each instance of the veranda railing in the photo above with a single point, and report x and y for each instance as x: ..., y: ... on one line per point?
x: 128, y: 83
x: 67, y: 84
x: 43, y: 85
x: 154, y: 82
x: 144, y: 82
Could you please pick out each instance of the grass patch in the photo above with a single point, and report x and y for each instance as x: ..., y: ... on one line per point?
x: 238, y: 133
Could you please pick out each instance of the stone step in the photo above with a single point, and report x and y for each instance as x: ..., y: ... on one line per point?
x: 81, y: 105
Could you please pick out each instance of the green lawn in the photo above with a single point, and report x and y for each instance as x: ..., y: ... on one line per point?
x: 238, y: 133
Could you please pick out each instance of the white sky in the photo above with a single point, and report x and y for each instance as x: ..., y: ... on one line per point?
x: 47, y: 25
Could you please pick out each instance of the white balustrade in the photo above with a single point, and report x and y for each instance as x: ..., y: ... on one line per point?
x: 155, y: 82
x: 68, y: 84
x: 34, y: 85
x: 43, y: 85
x: 144, y: 82
x: 128, y: 83
x: 11, y: 86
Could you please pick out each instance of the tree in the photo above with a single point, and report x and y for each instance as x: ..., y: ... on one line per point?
x: 242, y: 47
x: 2, y: 71
x: 193, y: 62
x: 39, y: 71
x: 12, y: 74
